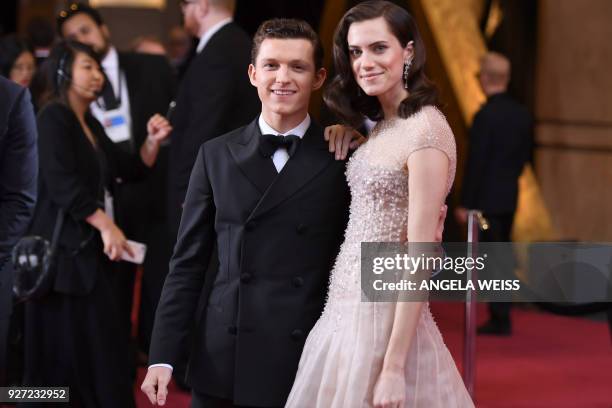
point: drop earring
(407, 65)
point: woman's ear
(105, 31)
(409, 51)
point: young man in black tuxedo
(137, 86)
(274, 200)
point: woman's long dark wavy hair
(344, 97)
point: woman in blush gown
(383, 354)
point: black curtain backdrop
(250, 14)
(8, 16)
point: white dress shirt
(281, 156)
(110, 64)
(209, 33)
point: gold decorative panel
(454, 25)
(460, 44)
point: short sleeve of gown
(433, 131)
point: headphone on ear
(61, 74)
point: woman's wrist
(393, 369)
(100, 221)
(393, 364)
(149, 150)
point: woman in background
(71, 333)
(16, 60)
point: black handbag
(33, 261)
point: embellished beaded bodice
(377, 174)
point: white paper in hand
(139, 249)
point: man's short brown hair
(285, 29)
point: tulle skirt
(344, 353)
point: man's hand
(441, 219)
(155, 384)
(341, 138)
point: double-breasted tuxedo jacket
(277, 236)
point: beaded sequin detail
(378, 179)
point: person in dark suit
(137, 87)
(499, 147)
(71, 333)
(18, 175)
(215, 95)
(275, 202)
(17, 64)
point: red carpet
(550, 361)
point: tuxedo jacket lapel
(311, 157)
(245, 152)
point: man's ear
(320, 76)
(202, 8)
(105, 31)
(252, 73)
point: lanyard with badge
(115, 121)
(116, 128)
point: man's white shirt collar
(111, 59)
(299, 130)
(110, 64)
(212, 31)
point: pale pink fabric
(344, 351)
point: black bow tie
(268, 144)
